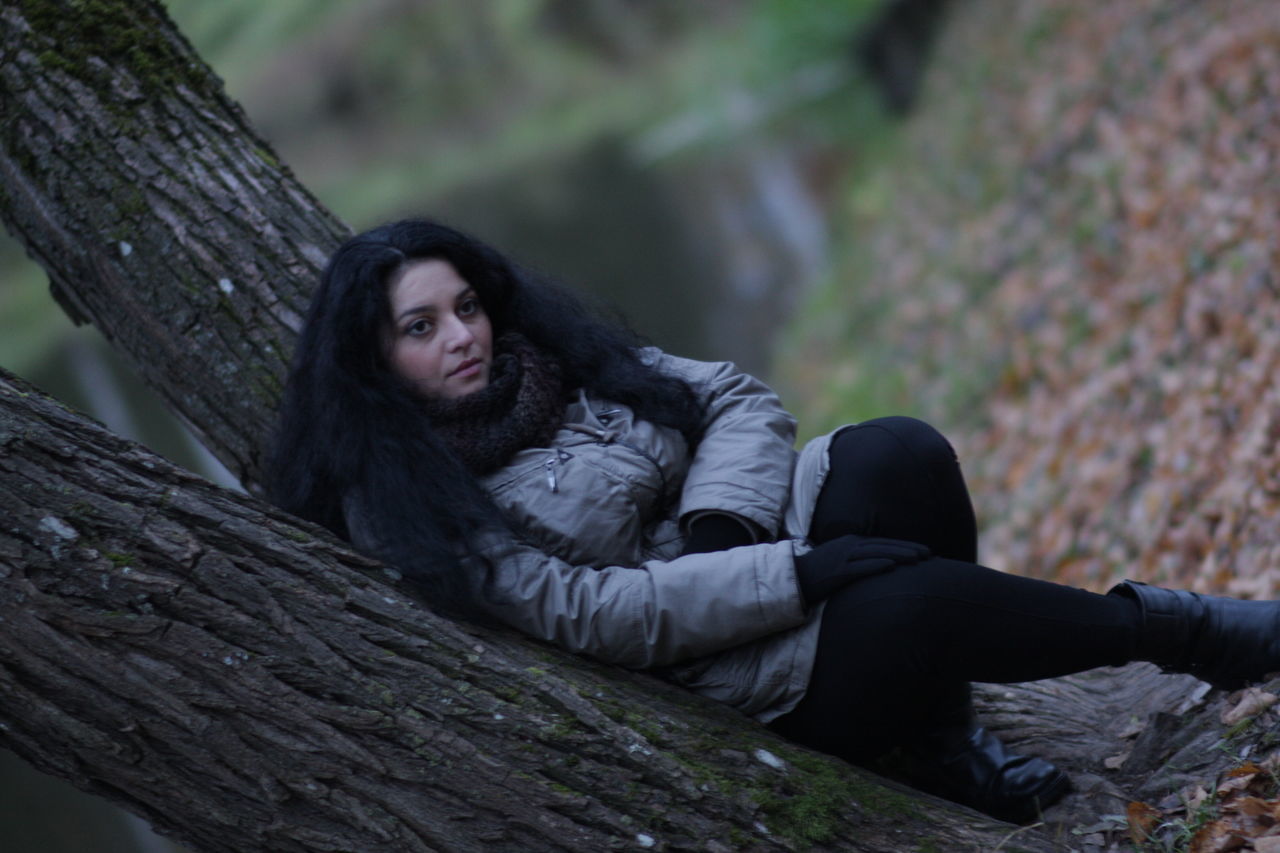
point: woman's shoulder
(691, 370)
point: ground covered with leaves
(1071, 264)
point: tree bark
(244, 681)
(158, 214)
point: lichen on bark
(117, 34)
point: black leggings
(895, 647)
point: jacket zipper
(557, 456)
(550, 465)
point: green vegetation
(120, 560)
(437, 97)
(34, 326)
(381, 109)
(82, 31)
(808, 815)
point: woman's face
(441, 340)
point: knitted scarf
(522, 406)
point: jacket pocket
(729, 676)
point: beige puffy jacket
(597, 569)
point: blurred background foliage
(678, 160)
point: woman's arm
(656, 614)
(742, 466)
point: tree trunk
(158, 214)
(244, 681)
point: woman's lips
(467, 368)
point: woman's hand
(846, 559)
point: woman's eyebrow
(417, 309)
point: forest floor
(1071, 265)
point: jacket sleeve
(658, 613)
(744, 461)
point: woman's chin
(466, 387)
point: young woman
(520, 460)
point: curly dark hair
(352, 432)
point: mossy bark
(158, 214)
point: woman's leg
(896, 651)
(896, 477)
(896, 647)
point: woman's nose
(460, 334)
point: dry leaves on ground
(1081, 257)
(1243, 814)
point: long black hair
(353, 440)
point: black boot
(1224, 641)
(960, 761)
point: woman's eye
(469, 307)
(419, 327)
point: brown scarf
(522, 406)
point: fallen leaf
(1253, 701)
(1250, 816)
(1251, 807)
(1216, 837)
(1246, 769)
(1242, 778)
(1142, 820)
(1115, 762)
(1234, 785)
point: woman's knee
(898, 477)
(892, 452)
(897, 440)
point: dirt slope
(1072, 265)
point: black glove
(715, 531)
(849, 558)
